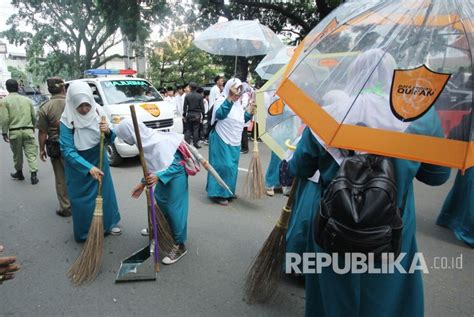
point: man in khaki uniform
(48, 135)
(18, 122)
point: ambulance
(115, 91)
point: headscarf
(365, 99)
(86, 127)
(230, 128)
(159, 147)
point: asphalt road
(206, 282)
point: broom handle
(285, 214)
(255, 144)
(101, 154)
(150, 201)
(291, 197)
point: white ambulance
(115, 93)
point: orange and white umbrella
(403, 89)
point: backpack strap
(404, 202)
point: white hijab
(365, 105)
(230, 129)
(159, 147)
(86, 127)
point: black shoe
(175, 254)
(63, 213)
(244, 151)
(34, 179)
(197, 146)
(18, 175)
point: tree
(176, 61)
(17, 74)
(72, 34)
(291, 19)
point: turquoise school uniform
(395, 294)
(307, 197)
(223, 157)
(272, 176)
(82, 189)
(458, 208)
(172, 196)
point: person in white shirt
(169, 95)
(216, 90)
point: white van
(116, 93)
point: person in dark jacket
(193, 114)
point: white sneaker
(115, 231)
(144, 232)
(286, 190)
(270, 192)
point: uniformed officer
(18, 122)
(48, 137)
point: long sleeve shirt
(16, 112)
(193, 102)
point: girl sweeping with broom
(228, 120)
(80, 131)
(169, 163)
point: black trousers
(192, 130)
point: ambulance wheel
(114, 158)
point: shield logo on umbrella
(276, 108)
(414, 91)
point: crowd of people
(70, 125)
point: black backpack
(359, 212)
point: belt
(22, 128)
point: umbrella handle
(289, 145)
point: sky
(6, 10)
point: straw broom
(264, 273)
(86, 267)
(254, 187)
(156, 218)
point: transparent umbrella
(274, 61)
(238, 38)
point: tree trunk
(242, 68)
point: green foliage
(135, 17)
(17, 74)
(177, 61)
(69, 36)
(293, 20)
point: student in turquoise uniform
(168, 162)
(307, 197)
(80, 130)
(229, 117)
(272, 176)
(363, 294)
(458, 208)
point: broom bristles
(87, 265)
(254, 187)
(165, 237)
(263, 276)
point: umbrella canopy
(238, 38)
(277, 123)
(403, 90)
(274, 61)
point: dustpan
(140, 266)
